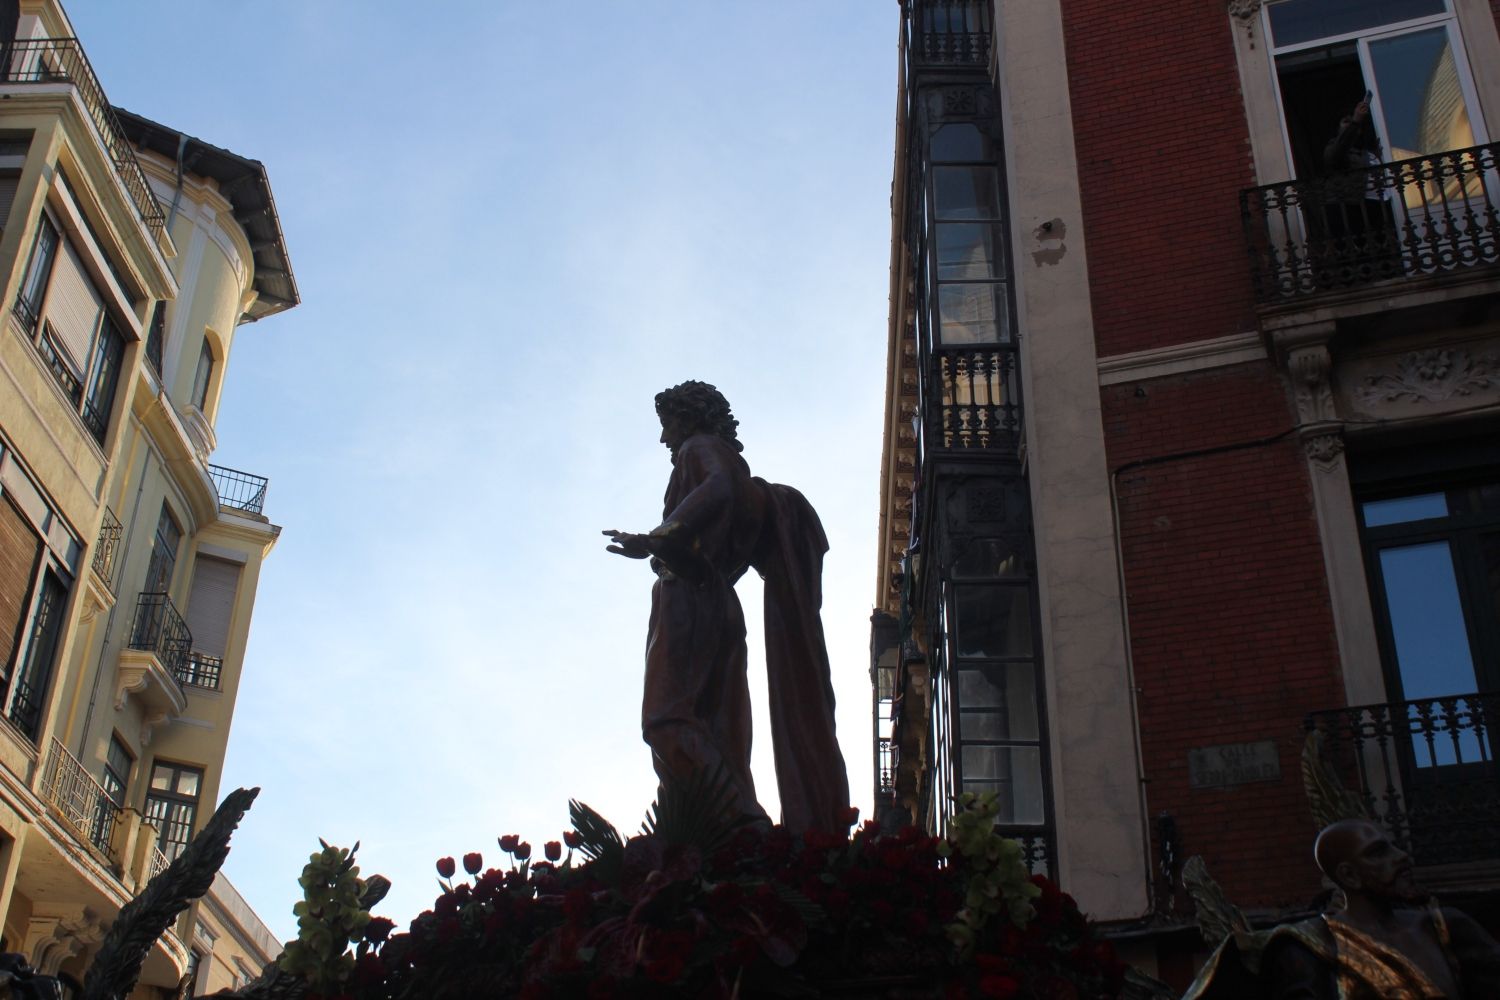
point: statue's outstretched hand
(627, 544)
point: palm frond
(117, 966)
(700, 812)
(600, 842)
(1327, 797)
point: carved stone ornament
(1247, 12)
(1323, 449)
(1432, 376)
(1309, 367)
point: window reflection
(1427, 621)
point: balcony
(160, 629)
(239, 490)
(82, 801)
(972, 399)
(950, 32)
(1426, 770)
(62, 60)
(106, 547)
(1426, 216)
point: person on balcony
(1362, 244)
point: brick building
(1190, 439)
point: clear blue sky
(512, 224)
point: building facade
(1190, 441)
(130, 255)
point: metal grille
(62, 60)
(81, 800)
(108, 543)
(1425, 769)
(239, 490)
(202, 671)
(887, 776)
(160, 629)
(1424, 215)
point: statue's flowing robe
(719, 521)
(1324, 959)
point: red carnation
(446, 867)
(473, 862)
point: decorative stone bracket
(158, 693)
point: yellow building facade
(130, 255)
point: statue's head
(1359, 856)
(695, 408)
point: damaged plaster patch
(1049, 236)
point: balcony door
(1406, 54)
(1433, 558)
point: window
(63, 310)
(172, 805)
(1433, 557)
(1406, 54)
(37, 562)
(202, 376)
(210, 610)
(156, 336)
(163, 564)
(115, 780)
(968, 237)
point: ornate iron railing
(105, 547)
(1424, 215)
(160, 629)
(1425, 769)
(1036, 848)
(886, 762)
(159, 863)
(973, 391)
(202, 671)
(239, 490)
(82, 800)
(950, 32)
(62, 60)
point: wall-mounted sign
(1233, 764)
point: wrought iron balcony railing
(239, 490)
(950, 32)
(108, 543)
(81, 799)
(1426, 770)
(972, 398)
(886, 762)
(202, 671)
(1425, 215)
(62, 60)
(160, 629)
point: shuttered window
(19, 549)
(73, 308)
(212, 603)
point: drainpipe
(182, 142)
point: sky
(512, 224)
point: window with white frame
(1405, 57)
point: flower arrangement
(694, 906)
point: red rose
(508, 843)
(573, 839)
(473, 862)
(378, 929)
(446, 867)
(553, 849)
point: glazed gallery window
(61, 308)
(172, 804)
(967, 229)
(1406, 54)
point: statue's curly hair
(702, 407)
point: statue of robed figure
(719, 521)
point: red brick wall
(1163, 151)
(1230, 624)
